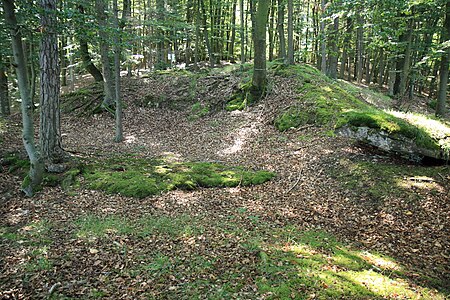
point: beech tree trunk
(444, 67)
(280, 27)
(241, 8)
(259, 80)
(233, 33)
(86, 57)
(4, 94)
(290, 55)
(35, 175)
(359, 48)
(205, 33)
(101, 7)
(49, 126)
(333, 56)
(323, 47)
(117, 49)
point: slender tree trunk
(359, 48)
(101, 7)
(280, 27)
(63, 60)
(382, 66)
(241, 8)
(259, 71)
(35, 175)
(205, 34)
(444, 67)
(404, 76)
(290, 56)
(348, 32)
(333, 56)
(117, 50)
(271, 30)
(323, 47)
(161, 63)
(86, 57)
(5, 105)
(233, 33)
(50, 125)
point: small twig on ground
(52, 290)
(443, 178)
(295, 184)
(305, 127)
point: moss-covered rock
(136, 177)
(341, 106)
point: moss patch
(380, 181)
(17, 164)
(136, 177)
(242, 97)
(314, 262)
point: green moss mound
(19, 165)
(136, 177)
(334, 104)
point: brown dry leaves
(303, 194)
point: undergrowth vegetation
(380, 181)
(138, 177)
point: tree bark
(259, 80)
(35, 175)
(271, 30)
(5, 105)
(86, 57)
(359, 48)
(233, 33)
(323, 47)
(49, 125)
(241, 8)
(117, 49)
(333, 56)
(444, 67)
(290, 55)
(348, 33)
(101, 7)
(280, 27)
(205, 33)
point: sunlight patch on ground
(241, 137)
(420, 182)
(379, 261)
(436, 128)
(381, 284)
(130, 139)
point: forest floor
(339, 221)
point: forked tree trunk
(34, 178)
(86, 57)
(49, 126)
